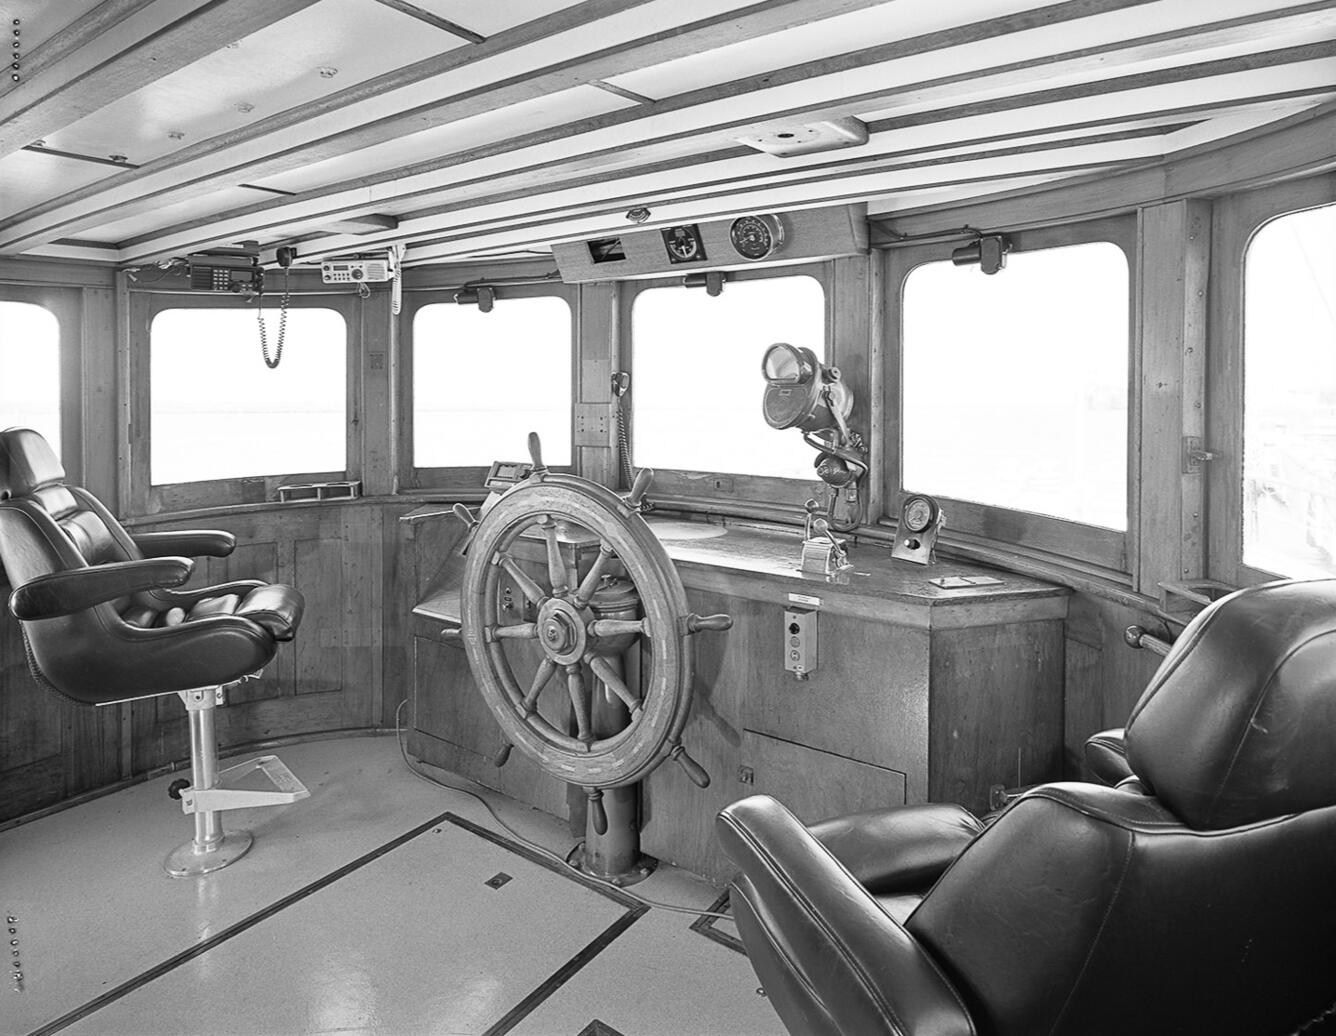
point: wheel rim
(574, 646)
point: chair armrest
(1106, 755)
(830, 958)
(899, 849)
(189, 543)
(63, 593)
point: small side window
(1289, 398)
(30, 370)
(218, 412)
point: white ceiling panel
(270, 71)
(135, 226)
(817, 39)
(29, 178)
(476, 132)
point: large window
(483, 381)
(697, 374)
(217, 411)
(30, 370)
(1014, 385)
(1289, 408)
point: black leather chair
(102, 623)
(1198, 896)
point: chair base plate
(187, 861)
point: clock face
(755, 237)
(917, 514)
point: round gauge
(918, 513)
(756, 237)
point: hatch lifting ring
(580, 627)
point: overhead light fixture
(990, 252)
(638, 214)
(784, 140)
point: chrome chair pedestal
(209, 795)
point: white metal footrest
(287, 788)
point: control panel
(800, 642)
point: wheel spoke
(613, 680)
(546, 669)
(521, 631)
(615, 627)
(556, 568)
(535, 593)
(579, 700)
(590, 584)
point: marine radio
(356, 271)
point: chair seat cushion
(274, 607)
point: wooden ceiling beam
(352, 193)
(203, 167)
(124, 57)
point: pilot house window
(482, 381)
(1015, 383)
(30, 370)
(697, 370)
(217, 411)
(1289, 405)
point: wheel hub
(561, 631)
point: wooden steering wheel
(567, 625)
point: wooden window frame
(1237, 219)
(148, 499)
(467, 480)
(974, 527)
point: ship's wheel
(579, 629)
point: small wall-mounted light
(990, 252)
(711, 280)
(638, 214)
(480, 296)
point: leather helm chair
(103, 622)
(1195, 897)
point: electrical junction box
(800, 642)
(355, 271)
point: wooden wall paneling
(867, 699)
(1104, 676)
(995, 710)
(97, 392)
(786, 771)
(678, 817)
(452, 728)
(1173, 261)
(599, 340)
(399, 594)
(372, 363)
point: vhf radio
(228, 269)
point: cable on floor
(563, 863)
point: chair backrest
(36, 505)
(1204, 905)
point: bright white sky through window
(698, 382)
(483, 381)
(1015, 383)
(216, 410)
(30, 370)
(1289, 406)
